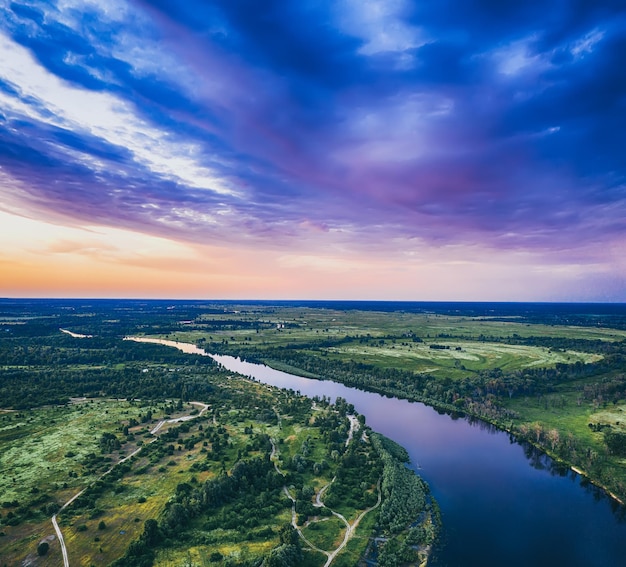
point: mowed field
(458, 357)
(398, 340)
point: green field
(38, 448)
(556, 379)
(460, 357)
(130, 476)
(559, 386)
(390, 339)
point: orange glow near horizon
(40, 259)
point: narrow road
(354, 427)
(155, 430)
(66, 561)
(350, 528)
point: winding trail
(154, 431)
(295, 524)
(350, 528)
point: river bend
(503, 503)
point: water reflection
(497, 510)
(482, 425)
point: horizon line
(310, 300)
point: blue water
(503, 503)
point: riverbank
(436, 436)
(505, 424)
(407, 507)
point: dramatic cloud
(324, 128)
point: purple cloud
(473, 122)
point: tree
(537, 430)
(554, 438)
(616, 442)
(288, 553)
(283, 556)
(151, 533)
(288, 535)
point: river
(503, 503)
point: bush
(616, 442)
(42, 548)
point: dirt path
(76, 335)
(318, 497)
(57, 529)
(155, 430)
(161, 423)
(273, 458)
(350, 528)
(354, 427)
(295, 524)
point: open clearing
(43, 456)
(399, 340)
(38, 448)
(466, 355)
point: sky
(353, 149)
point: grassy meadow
(77, 409)
(466, 362)
(391, 339)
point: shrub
(616, 442)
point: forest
(148, 456)
(77, 400)
(553, 376)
